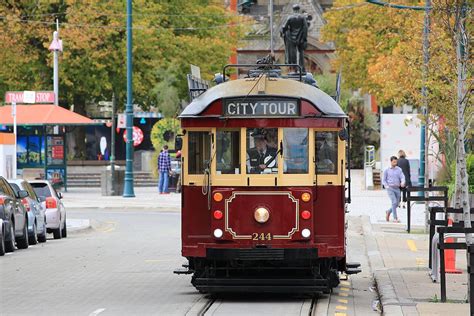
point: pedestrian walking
(393, 179)
(164, 168)
(404, 164)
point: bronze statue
(295, 36)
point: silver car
(35, 210)
(55, 211)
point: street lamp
(56, 47)
(128, 185)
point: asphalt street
(123, 266)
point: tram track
(297, 306)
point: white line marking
(97, 312)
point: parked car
(13, 214)
(55, 211)
(35, 210)
(2, 238)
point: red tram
(264, 186)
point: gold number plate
(261, 236)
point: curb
(388, 297)
(124, 208)
(86, 225)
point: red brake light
(306, 214)
(218, 214)
(26, 204)
(51, 202)
(2, 200)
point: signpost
(14, 132)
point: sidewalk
(399, 261)
(146, 198)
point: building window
(228, 152)
(295, 150)
(199, 148)
(326, 152)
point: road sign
(21, 97)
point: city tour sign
(29, 97)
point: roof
(275, 87)
(42, 114)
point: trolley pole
(128, 185)
(270, 7)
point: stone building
(257, 42)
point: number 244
(261, 236)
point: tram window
(199, 148)
(295, 150)
(326, 152)
(228, 152)
(262, 144)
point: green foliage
(327, 83)
(364, 130)
(167, 37)
(167, 126)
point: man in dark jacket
(404, 164)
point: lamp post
(128, 185)
(56, 47)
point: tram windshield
(326, 152)
(228, 152)
(295, 149)
(262, 150)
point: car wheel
(64, 230)
(2, 243)
(57, 231)
(22, 242)
(10, 244)
(33, 238)
(42, 237)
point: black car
(14, 216)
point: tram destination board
(268, 107)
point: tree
(167, 35)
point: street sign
(121, 121)
(21, 97)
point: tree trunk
(79, 133)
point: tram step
(353, 270)
(352, 265)
(183, 271)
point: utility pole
(424, 137)
(128, 185)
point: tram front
(263, 187)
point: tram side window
(262, 144)
(228, 152)
(326, 152)
(199, 148)
(295, 150)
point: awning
(42, 114)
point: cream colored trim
(290, 196)
(191, 179)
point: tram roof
(274, 87)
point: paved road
(123, 266)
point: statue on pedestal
(295, 36)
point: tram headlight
(306, 197)
(306, 233)
(218, 233)
(261, 215)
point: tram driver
(261, 156)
